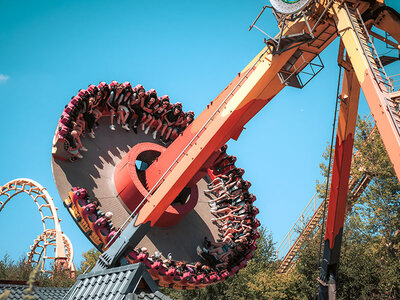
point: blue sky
(189, 50)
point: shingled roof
(120, 283)
(41, 293)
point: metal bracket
(282, 43)
(293, 73)
(128, 239)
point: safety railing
(395, 79)
(298, 227)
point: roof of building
(130, 282)
(126, 282)
(40, 292)
(146, 296)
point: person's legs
(112, 113)
(224, 196)
(168, 133)
(149, 125)
(217, 180)
(129, 117)
(77, 140)
(97, 114)
(90, 120)
(146, 122)
(215, 188)
(174, 134)
(138, 120)
(123, 115)
(165, 126)
(120, 116)
(227, 239)
(75, 153)
(157, 129)
(223, 211)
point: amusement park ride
(52, 240)
(153, 190)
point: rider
(158, 112)
(136, 99)
(112, 101)
(179, 128)
(171, 117)
(148, 106)
(123, 111)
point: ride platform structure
(154, 190)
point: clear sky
(189, 50)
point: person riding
(104, 93)
(148, 106)
(123, 110)
(170, 118)
(158, 112)
(179, 128)
(112, 101)
(137, 97)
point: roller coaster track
(52, 235)
(41, 250)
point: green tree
(89, 261)
(16, 270)
(258, 280)
(369, 266)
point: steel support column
(340, 181)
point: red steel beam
(340, 177)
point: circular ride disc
(95, 173)
(289, 6)
(93, 185)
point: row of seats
(131, 107)
(96, 221)
(168, 272)
(235, 215)
(231, 204)
(216, 264)
(219, 259)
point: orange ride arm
(375, 93)
(222, 120)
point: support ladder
(375, 64)
(369, 50)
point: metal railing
(368, 47)
(395, 79)
(298, 227)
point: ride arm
(223, 119)
(128, 239)
(375, 92)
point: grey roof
(40, 293)
(117, 283)
(156, 296)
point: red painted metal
(129, 187)
(339, 188)
(131, 190)
(343, 155)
